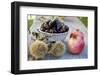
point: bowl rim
(52, 33)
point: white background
(5, 39)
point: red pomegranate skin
(76, 42)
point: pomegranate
(76, 42)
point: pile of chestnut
(54, 26)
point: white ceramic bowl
(54, 36)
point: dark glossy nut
(66, 28)
(55, 26)
(48, 22)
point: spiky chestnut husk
(38, 49)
